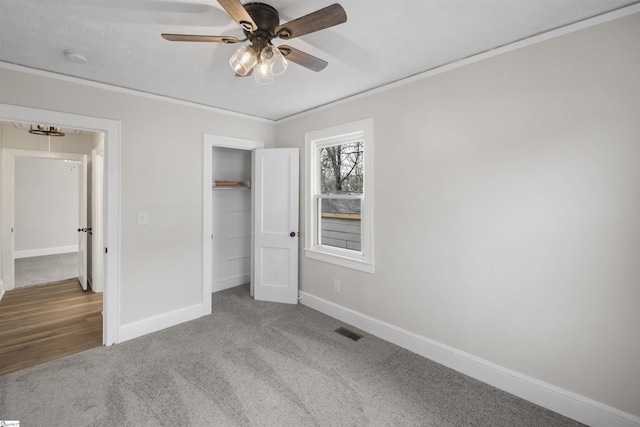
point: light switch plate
(143, 218)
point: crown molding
(519, 44)
(104, 86)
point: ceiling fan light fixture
(45, 130)
(243, 60)
(261, 23)
(274, 58)
(262, 73)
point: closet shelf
(231, 184)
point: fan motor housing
(266, 17)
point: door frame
(210, 141)
(97, 216)
(111, 130)
(83, 222)
(9, 156)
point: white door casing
(97, 219)
(211, 141)
(278, 286)
(8, 187)
(275, 225)
(82, 223)
(111, 130)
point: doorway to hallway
(110, 249)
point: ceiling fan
(261, 24)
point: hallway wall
(46, 206)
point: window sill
(342, 261)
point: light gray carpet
(257, 364)
(45, 269)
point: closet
(231, 208)
(250, 215)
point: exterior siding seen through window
(339, 181)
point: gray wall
(518, 240)
(46, 204)
(161, 174)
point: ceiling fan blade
(315, 21)
(239, 14)
(195, 38)
(302, 58)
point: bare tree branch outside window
(341, 168)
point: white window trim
(363, 260)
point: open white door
(275, 225)
(82, 223)
(97, 220)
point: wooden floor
(42, 323)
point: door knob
(292, 234)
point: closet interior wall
(231, 217)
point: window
(339, 198)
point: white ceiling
(382, 41)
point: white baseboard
(146, 326)
(554, 398)
(231, 282)
(45, 251)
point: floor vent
(348, 333)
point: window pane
(340, 223)
(341, 168)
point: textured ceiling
(382, 42)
